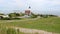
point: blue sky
(37, 6)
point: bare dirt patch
(31, 31)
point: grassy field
(51, 24)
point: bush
(45, 16)
(5, 19)
(33, 16)
(11, 31)
(10, 18)
(16, 18)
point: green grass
(9, 31)
(51, 24)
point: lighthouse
(28, 11)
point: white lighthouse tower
(28, 12)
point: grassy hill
(51, 24)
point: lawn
(51, 24)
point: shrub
(5, 19)
(33, 15)
(11, 31)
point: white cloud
(1, 1)
(19, 3)
(56, 2)
(33, 3)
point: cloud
(1, 1)
(19, 3)
(35, 4)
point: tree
(33, 15)
(11, 15)
(14, 15)
(1, 14)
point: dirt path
(32, 31)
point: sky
(37, 6)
